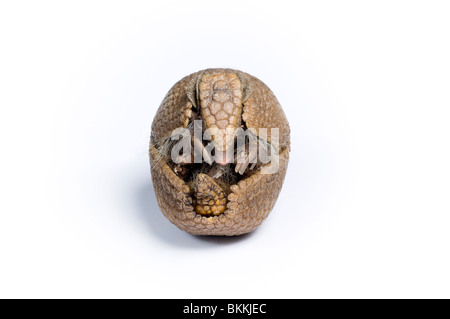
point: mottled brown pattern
(209, 196)
(251, 199)
(220, 97)
(262, 109)
(172, 111)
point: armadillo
(229, 191)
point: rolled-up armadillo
(231, 189)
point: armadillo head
(220, 96)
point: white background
(364, 211)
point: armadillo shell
(251, 199)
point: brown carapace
(228, 192)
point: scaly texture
(220, 97)
(250, 200)
(262, 110)
(209, 197)
(174, 109)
